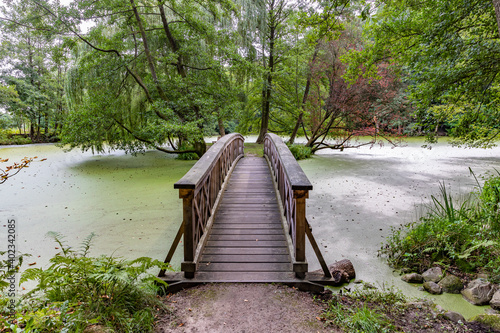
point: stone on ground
(479, 292)
(433, 274)
(433, 288)
(451, 284)
(412, 278)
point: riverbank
(277, 308)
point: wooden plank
(245, 267)
(245, 276)
(246, 250)
(247, 226)
(254, 232)
(263, 237)
(213, 258)
(253, 243)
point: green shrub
(77, 291)
(300, 152)
(8, 139)
(456, 235)
(186, 156)
(490, 199)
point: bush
(186, 156)
(300, 152)
(78, 291)
(9, 139)
(464, 236)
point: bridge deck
(247, 234)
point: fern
(111, 291)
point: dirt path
(243, 308)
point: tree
(148, 73)
(451, 52)
(340, 110)
(31, 61)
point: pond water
(131, 205)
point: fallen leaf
(33, 263)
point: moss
(490, 320)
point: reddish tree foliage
(339, 111)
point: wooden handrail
(293, 186)
(200, 189)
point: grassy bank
(462, 235)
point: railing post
(188, 266)
(300, 265)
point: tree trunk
(149, 57)
(296, 128)
(222, 130)
(266, 94)
(266, 105)
(304, 98)
(496, 5)
(200, 147)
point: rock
(495, 300)
(432, 287)
(490, 320)
(342, 271)
(451, 284)
(368, 285)
(479, 292)
(454, 317)
(482, 276)
(433, 274)
(492, 311)
(413, 278)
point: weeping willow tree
(148, 74)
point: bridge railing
(293, 186)
(199, 190)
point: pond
(130, 203)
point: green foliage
(300, 152)
(186, 156)
(78, 290)
(465, 236)
(365, 310)
(490, 199)
(448, 50)
(359, 320)
(6, 138)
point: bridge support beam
(300, 265)
(188, 266)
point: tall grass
(462, 233)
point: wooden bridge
(244, 219)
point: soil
(243, 308)
(277, 308)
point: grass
(364, 310)
(254, 149)
(78, 291)
(462, 234)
